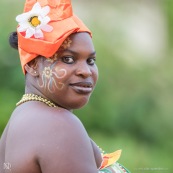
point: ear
(31, 67)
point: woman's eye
(91, 61)
(68, 60)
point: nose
(83, 70)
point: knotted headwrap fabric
(63, 22)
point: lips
(82, 87)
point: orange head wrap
(43, 27)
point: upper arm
(65, 147)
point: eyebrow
(76, 53)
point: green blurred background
(131, 107)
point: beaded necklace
(34, 97)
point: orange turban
(43, 27)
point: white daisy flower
(34, 21)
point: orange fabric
(64, 23)
(109, 159)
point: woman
(58, 59)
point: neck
(31, 88)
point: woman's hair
(13, 40)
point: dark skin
(42, 139)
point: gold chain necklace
(34, 97)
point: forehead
(80, 36)
(81, 41)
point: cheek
(60, 72)
(62, 75)
(95, 74)
(52, 79)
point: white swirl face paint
(50, 78)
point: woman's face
(69, 77)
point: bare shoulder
(66, 146)
(57, 139)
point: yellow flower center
(34, 21)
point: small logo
(7, 166)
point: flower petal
(23, 27)
(45, 11)
(47, 28)
(36, 7)
(44, 20)
(22, 17)
(38, 34)
(29, 32)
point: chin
(77, 104)
(80, 106)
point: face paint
(53, 58)
(66, 44)
(60, 85)
(47, 72)
(60, 73)
(49, 78)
